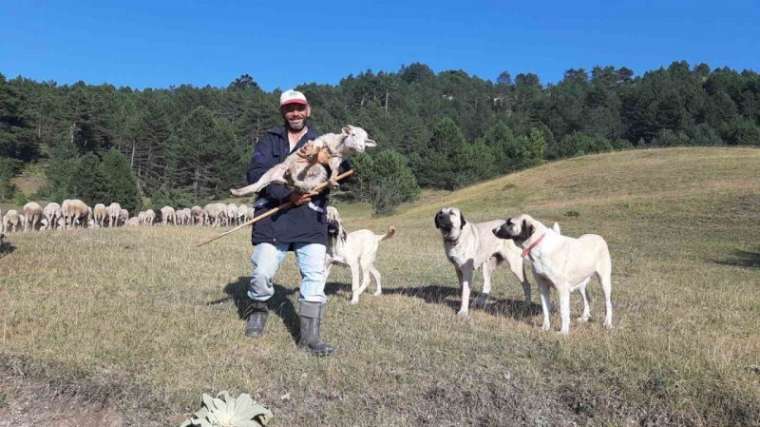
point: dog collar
(527, 250)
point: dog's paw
(354, 301)
(546, 327)
(378, 292)
(333, 183)
(463, 315)
(236, 192)
(608, 325)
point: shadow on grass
(451, 297)
(742, 258)
(280, 304)
(6, 248)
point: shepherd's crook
(274, 210)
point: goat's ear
(346, 130)
(370, 143)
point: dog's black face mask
(503, 231)
(332, 228)
(525, 232)
(443, 222)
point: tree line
(186, 145)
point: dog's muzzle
(443, 222)
(332, 229)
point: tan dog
(469, 246)
(357, 250)
(303, 169)
(561, 262)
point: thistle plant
(224, 411)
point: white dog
(562, 262)
(356, 250)
(468, 246)
(302, 169)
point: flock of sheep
(73, 213)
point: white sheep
(232, 214)
(75, 212)
(32, 215)
(215, 212)
(12, 221)
(168, 214)
(242, 211)
(149, 217)
(52, 213)
(114, 209)
(100, 213)
(198, 216)
(123, 216)
(182, 216)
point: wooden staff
(274, 210)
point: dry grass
(144, 320)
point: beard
(295, 125)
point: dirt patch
(25, 402)
(34, 393)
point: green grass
(146, 319)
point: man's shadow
(280, 304)
(451, 297)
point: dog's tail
(389, 234)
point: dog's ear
(437, 220)
(527, 229)
(370, 143)
(346, 130)
(464, 221)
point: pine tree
(119, 183)
(88, 181)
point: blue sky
(283, 43)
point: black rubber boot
(257, 313)
(311, 314)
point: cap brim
(294, 101)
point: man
(302, 229)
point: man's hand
(299, 199)
(314, 155)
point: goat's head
(356, 140)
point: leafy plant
(224, 411)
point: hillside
(141, 322)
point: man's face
(295, 116)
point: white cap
(293, 97)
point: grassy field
(139, 322)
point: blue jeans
(266, 259)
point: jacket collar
(282, 133)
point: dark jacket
(300, 224)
